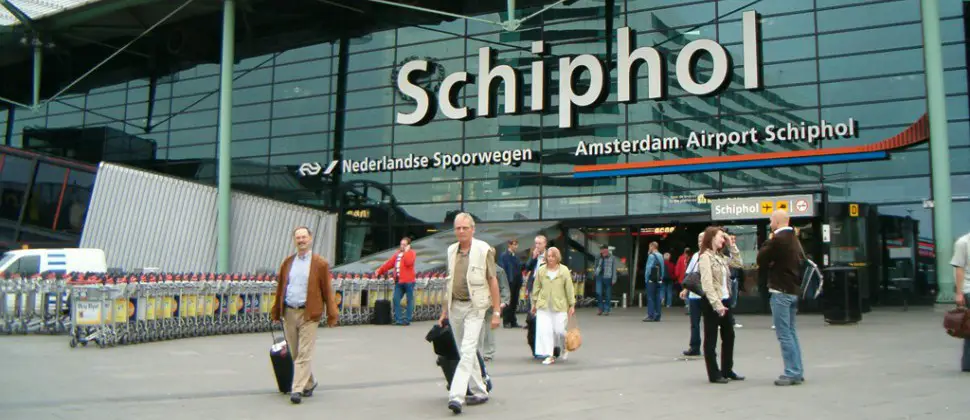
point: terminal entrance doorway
(630, 244)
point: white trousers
(550, 330)
(466, 323)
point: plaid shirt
(605, 268)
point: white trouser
(466, 323)
(550, 329)
(486, 340)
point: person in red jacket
(681, 267)
(402, 264)
(680, 270)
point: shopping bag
(573, 337)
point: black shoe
(454, 406)
(296, 398)
(734, 376)
(692, 352)
(309, 391)
(720, 381)
(475, 400)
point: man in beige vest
(472, 289)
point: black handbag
(692, 282)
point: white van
(67, 260)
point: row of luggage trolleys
(357, 298)
(129, 310)
(34, 305)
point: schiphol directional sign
(799, 205)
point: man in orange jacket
(302, 293)
(402, 262)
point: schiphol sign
(628, 60)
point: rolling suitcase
(282, 360)
(530, 336)
(382, 308)
(445, 347)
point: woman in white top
(553, 302)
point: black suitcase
(282, 360)
(382, 312)
(445, 347)
(530, 336)
(382, 308)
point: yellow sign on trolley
(854, 210)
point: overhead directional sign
(799, 205)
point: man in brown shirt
(302, 293)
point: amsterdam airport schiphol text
(720, 140)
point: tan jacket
(557, 294)
(714, 269)
(319, 291)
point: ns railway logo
(314, 168)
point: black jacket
(782, 257)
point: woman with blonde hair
(553, 302)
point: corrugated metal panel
(143, 219)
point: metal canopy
(35, 9)
(104, 42)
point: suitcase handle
(273, 332)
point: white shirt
(961, 258)
(296, 287)
(692, 267)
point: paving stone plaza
(893, 365)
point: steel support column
(223, 244)
(38, 63)
(939, 149)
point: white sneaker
(564, 355)
(738, 326)
(549, 360)
(772, 327)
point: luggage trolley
(94, 313)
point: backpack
(812, 279)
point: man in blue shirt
(513, 270)
(653, 277)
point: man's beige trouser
(301, 339)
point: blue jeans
(400, 289)
(653, 300)
(694, 306)
(783, 310)
(667, 293)
(965, 363)
(604, 290)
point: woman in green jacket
(553, 302)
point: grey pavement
(893, 365)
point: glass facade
(820, 59)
